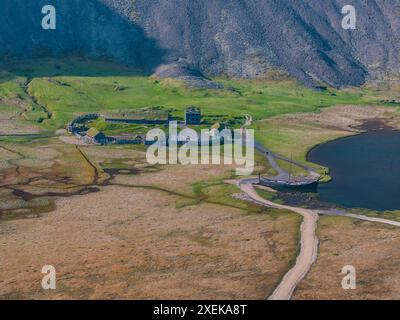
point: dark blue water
(365, 171)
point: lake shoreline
(358, 162)
(369, 125)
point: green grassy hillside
(71, 87)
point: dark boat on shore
(302, 184)
(294, 183)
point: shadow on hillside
(91, 39)
(75, 66)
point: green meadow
(72, 87)
(69, 96)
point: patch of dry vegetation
(179, 237)
(371, 248)
(135, 243)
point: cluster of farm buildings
(93, 135)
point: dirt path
(309, 241)
(359, 217)
(282, 174)
(271, 157)
(308, 247)
(72, 140)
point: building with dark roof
(95, 136)
(192, 116)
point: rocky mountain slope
(245, 38)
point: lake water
(365, 170)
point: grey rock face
(84, 27)
(237, 38)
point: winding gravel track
(309, 242)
